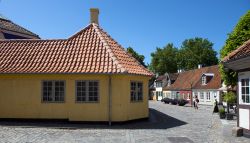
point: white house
(239, 61)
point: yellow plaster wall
(20, 97)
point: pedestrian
(196, 102)
(216, 109)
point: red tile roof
(89, 51)
(6, 24)
(186, 78)
(214, 83)
(242, 51)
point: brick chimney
(94, 12)
(199, 66)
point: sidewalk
(226, 126)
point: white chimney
(94, 13)
(199, 66)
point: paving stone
(168, 124)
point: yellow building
(87, 77)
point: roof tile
(89, 51)
(242, 51)
(192, 79)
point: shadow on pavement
(157, 120)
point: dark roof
(8, 25)
(241, 52)
(160, 78)
(89, 51)
(186, 78)
(173, 76)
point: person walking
(196, 102)
(216, 109)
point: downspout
(110, 101)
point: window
(87, 91)
(136, 91)
(208, 95)
(188, 97)
(245, 90)
(183, 96)
(195, 94)
(201, 95)
(53, 91)
(158, 84)
(203, 80)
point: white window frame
(202, 93)
(87, 91)
(137, 91)
(188, 95)
(208, 94)
(243, 75)
(204, 80)
(53, 91)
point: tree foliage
(237, 37)
(230, 97)
(137, 56)
(196, 51)
(164, 59)
(192, 52)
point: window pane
(59, 91)
(243, 98)
(242, 82)
(247, 82)
(247, 99)
(243, 90)
(47, 91)
(80, 91)
(49, 83)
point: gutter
(110, 101)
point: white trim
(242, 75)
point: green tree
(237, 37)
(137, 56)
(164, 59)
(196, 51)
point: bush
(230, 97)
(222, 113)
(167, 100)
(182, 102)
(174, 102)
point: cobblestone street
(167, 123)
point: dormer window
(206, 77)
(203, 80)
(158, 84)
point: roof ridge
(79, 32)
(29, 32)
(109, 50)
(130, 55)
(30, 40)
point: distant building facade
(156, 91)
(202, 82)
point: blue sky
(141, 24)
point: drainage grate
(180, 140)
